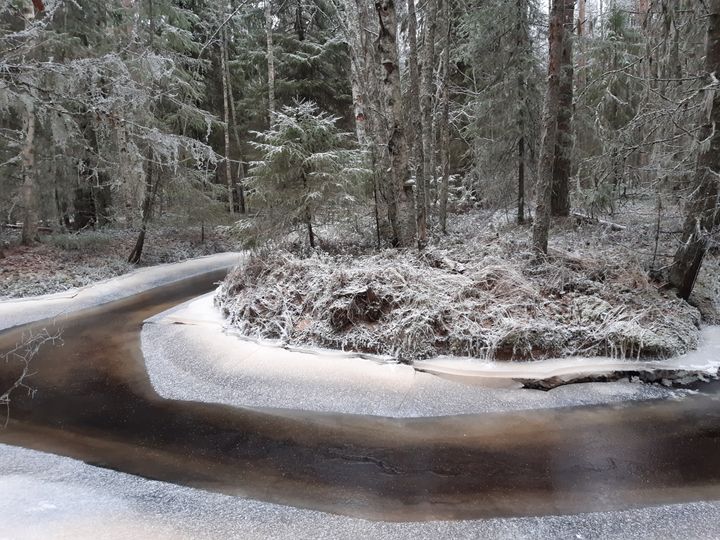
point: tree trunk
(703, 215)
(270, 61)
(445, 123)
(308, 213)
(643, 8)
(152, 181)
(126, 178)
(226, 127)
(560, 201)
(358, 105)
(29, 181)
(311, 234)
(240, 177)
(521, 178)
(97, 183)
(28, 189)
(550, 120)
(416, 126)
(401, 208)
(102, 199)
(426, 100)
(360, 25)
(522, 39)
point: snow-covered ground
(43, 496)
(21, 311)
(705, 360)
(189, 356)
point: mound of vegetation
(486, 296)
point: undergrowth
(480, 294)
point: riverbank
(66, 261)
(190, 355)
(480, 292)
(14, 312)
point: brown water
(94, 402)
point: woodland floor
(481, 292)
(64, 261)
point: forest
(375, 269)
(473, 177)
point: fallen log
(41, 228)
(609, 224)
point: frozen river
(188, 468)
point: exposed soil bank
(94, 401)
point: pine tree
(307, 167)
(703, 213)
(544, 182)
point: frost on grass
(69, 260)
(484, 296)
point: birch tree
(427, 106)
(445, 121)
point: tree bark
(357, 23)
(426, 101)
(152, 182)
(127, 180)
(522, 45)
(240, 177)
(97, 184)
(445, 123)
(544, 182)
(29, 181)
(562, 169)
(226, 127)
(703, 216)
(401, 208)
(29, 189)
(417, 127)
(308, 215)
(643, 8)
(521, 176)
(270, 61)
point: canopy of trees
(392, 112)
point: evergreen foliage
(307, 166)
(113, 114)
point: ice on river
(20, 311)
(44, 496)
(189, 356)
(705, 359)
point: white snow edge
(704, 360)
(24, 310)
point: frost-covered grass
(478, 292)
(69, 260)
